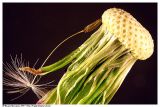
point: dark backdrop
(35, 29)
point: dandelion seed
(17, 80)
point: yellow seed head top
(129, 32)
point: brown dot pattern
(129, 32)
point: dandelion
(99, 66)
(19, 81)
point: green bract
(99, 66)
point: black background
(35, 29)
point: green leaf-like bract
(96, 71)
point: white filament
(20, 81)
